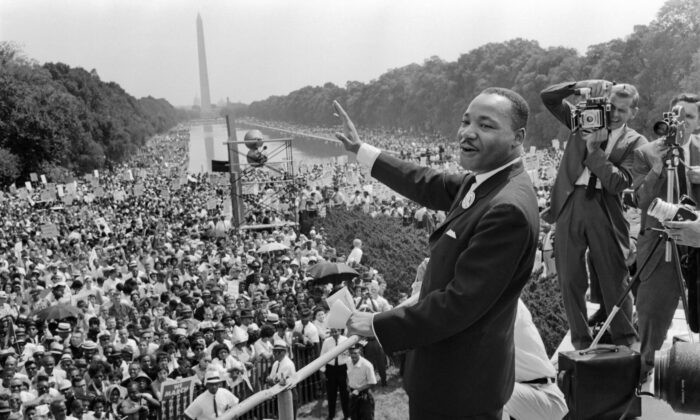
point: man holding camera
(657, 297)
(586, 203)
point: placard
(34, 177)
(211, 203)
(176, 396)
(49, 230)
(43, 179)
(138, 190)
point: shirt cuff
(374, 332)
(367, 155)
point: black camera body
(591, 114)
(670, 123)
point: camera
(663, 211)
(677, 377)
(670, 121)
(591, 114)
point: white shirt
(282, 369)
(328, 345)
(360, 374)
(202, 408)
(531, 361)
(355, 256)
(309, 331)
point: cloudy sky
(258, 48)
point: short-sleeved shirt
(202, 408)
(360, 374)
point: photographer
(657, 297)
(587, 207)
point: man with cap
(336, 374)
(214, 402)
(206, 299)
(307, 329)
(282, 369)
(361, 379)
(219, 338)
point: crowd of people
(120, 281)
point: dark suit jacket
(461, 330)
(614, 171)
(648, 185)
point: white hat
(212, 377)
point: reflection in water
(208, 146)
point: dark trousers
(584, 224)
(362, 406)
(336, 382)
(376, 356)
(417, 413)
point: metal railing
(283, 392)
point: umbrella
(272, 247)
(60, 311)
(329, 272)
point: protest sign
(59, 189)
(28, 186)
(49, 230)
(43, 179)
(34, 177)
(176, 396)
(211, 203)
(47, 196)
(68, 199)
(138, 190)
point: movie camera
(591, 114)
(670, 123)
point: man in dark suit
(460, 332)
(657, 297)
(586, 205)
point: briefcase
(600, 383)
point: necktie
(682, 181)
(592, 179)
(216, 411)
(336, 357)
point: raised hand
(349, 137)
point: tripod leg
(681, 286)
(622, 298)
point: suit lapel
(620, 146)
(480, 192)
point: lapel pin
(468, 200)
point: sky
(259, 48)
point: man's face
(213, 387)
(691, 118)
(622, 111)
(355, 355)
(486, 136)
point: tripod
(671, 163)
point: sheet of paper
(338, 315)
(344, 296)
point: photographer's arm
(614, 178)
(649, 178)
(554, 96)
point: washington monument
(203, 74)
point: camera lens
(661, 128)
(677, 377)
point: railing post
(285, 405)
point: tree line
(60, 120)
(661, 59)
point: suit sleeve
(496, 251)
(647, 183)
(615, 178)
(553, 99)
(430, 188)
